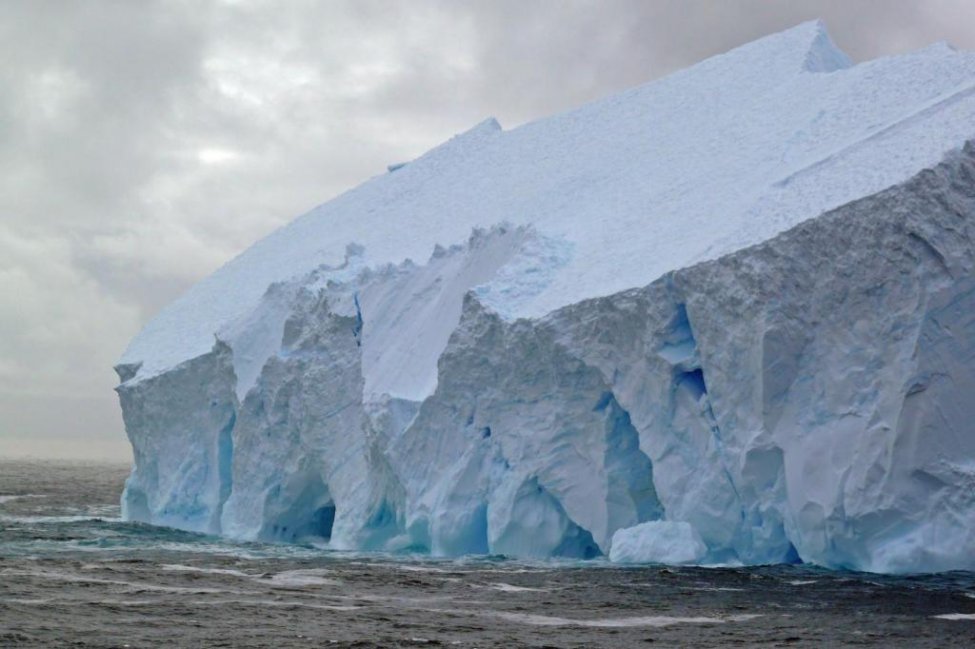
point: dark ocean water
(72, 574)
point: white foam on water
(80, 579)
(268, 603)
(511, 588)
(554, 565)
(408, 568)
(300, 578)
(198, 603)
(955, 616)
(648, 621)
(415, 602)
(166, 589)
(724, 564)
(8, 498)
(105, 511)
(319, 607)
(206, 571)
(233, 551)
(274, 604)
(47, 520)
(802, 582)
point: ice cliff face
(725, 317)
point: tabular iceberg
(732, 309)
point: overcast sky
(143, 144)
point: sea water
(72, 573)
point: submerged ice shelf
(728, 316)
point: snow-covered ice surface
(737, 301)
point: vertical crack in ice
(357, 328)
(631, 492)
(691, 402)
(225, 463)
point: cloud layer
(144, 144)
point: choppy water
(73, 574)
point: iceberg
(725, 317)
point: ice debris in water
(666, 542)
(725, 317)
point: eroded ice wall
(822, 412)
(805, 398)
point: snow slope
(733, 301)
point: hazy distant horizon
(148, 143)
(90, 450)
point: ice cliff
(728, 316)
